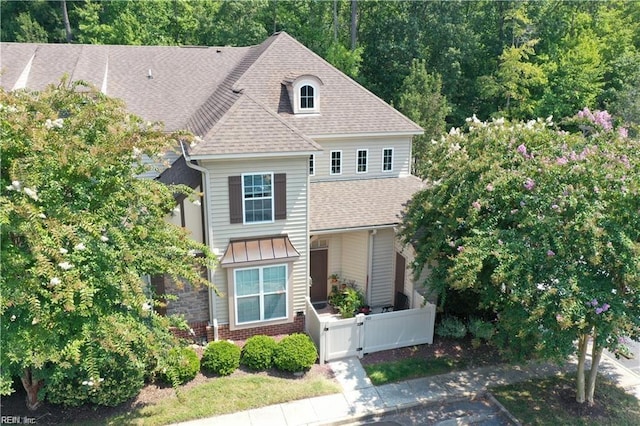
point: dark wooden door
(318, 272)
(401, 265)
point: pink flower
(561, 161)
(605, 307)
(460, 249)
(522, 149)
(623, 132)
(489, 187)
(529, 184)
(476, 205)
(594, 302)
(550, 253)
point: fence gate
(343, 338)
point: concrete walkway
(361, 400)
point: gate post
(360, 324)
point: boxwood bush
(480, 330)
(221, 357)
(451, 327)
(257, 353)
(179, 366)
(295, 353)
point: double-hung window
(260, 293)
(387, 160)
(336, 162)
(361, 161)
(257, 193)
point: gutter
(208, 237)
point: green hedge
(295, 353)
(221, 357)
(257, 353)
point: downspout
(372, 234)
(208, 236)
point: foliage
(346, 299)
(451, 327)
(257, 352)
(79, 230)
(221, 357)
(422, 101)
(179, 365)
(480, 330)
(119, 354)
(543, 225)
(295, 352)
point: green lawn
(550, 401)
(227, 395)
(410, 368)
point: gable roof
(195, 88)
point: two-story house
(303, 172)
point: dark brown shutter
(235, 199)
(157, 282)
(280, 195)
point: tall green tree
(79, 230)
(422, 101)
(542, 226)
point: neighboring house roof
(195, 88)
(365, 203)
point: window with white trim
(361, 160)
(387, 160)
(307, 97)
(260, 293)
(312, 165)
(257, 192)
(336, 162)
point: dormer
(304, 93)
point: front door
(318, 272)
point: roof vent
(149, 74)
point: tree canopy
(518, 59)
(79, 231)
(542, 225)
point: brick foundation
(297, 326)
(199, 329)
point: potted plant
(347, 301)
(334, 278)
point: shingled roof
(195, 88)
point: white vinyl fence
(340, 338)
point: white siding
(193, 218)
(354, 257)
(382, 277)
(401, 157)
(295, 226)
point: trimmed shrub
(481, 329)
(221, 357)
(451, 327)
(257, 353)
(295, 353)
(179, 366)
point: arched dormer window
(304, 93)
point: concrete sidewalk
(361, 400)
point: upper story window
(307, 97)
(258, 197)
(304, 93)
(387, 160)
(312, 165)
(361, 161)
(336, 162)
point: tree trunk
(354, 24)
(596, 354)
(582, 355)
(335, 20)
(32, 387)
(65, 19)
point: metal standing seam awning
(259, 249)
